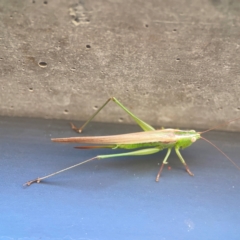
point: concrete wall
(173, 63)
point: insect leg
(134, 153)
(163, 163)
(146, 151)
(79, 130)
(141, 123)
(183, 162)
(39, 179)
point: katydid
(149, 141)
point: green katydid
(149, 141)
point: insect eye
(193, 139)
(192, 131)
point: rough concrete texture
(173, 63)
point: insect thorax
(186, 138)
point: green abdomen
(143, 145)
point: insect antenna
(221, 152)
(220, 125)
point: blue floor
(114, 198)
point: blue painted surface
(114, 198)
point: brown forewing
(164, 136)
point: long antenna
(220, 125)
(222, 153)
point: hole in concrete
(1, 59)
(238, 108)
(66, 111)
(33, 1)
(120, 119)
(178, 59)
(42, 64)
(11, 107)
(30, 89)
(174, 30)
(146, 25)
(88, 46)
(45, 2)
(95, 107)
(76, 19)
